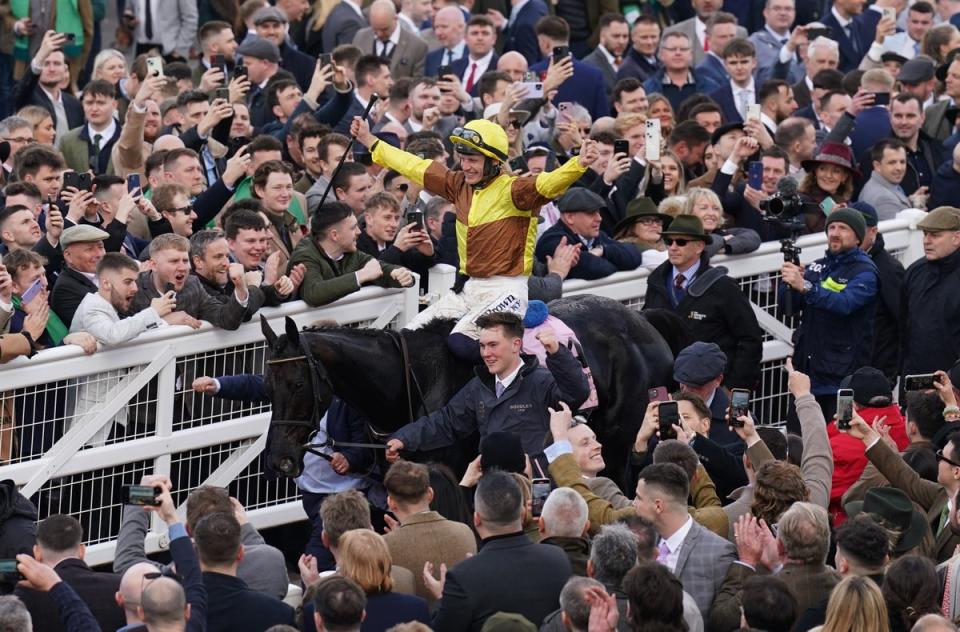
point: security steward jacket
(715, 310)
(521, 409)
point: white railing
(59, 453)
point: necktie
(471, 76)
(385, 49)
(916, 48)
(500, 389)
(854, 39)
(95, 153)
(663, 552)
(743, 104)
(617, 60)
(678, 291)
(784, 40)
(944, 517)
(945, 605)
(706, 45)
(449, 56)
(148, 20)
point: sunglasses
(514, 124)
(680, 242)
(940, 457)
(186, 210)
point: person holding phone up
(496, 221)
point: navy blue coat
(712, 73)
(520, 36)
(675, 95)
(929, 304)
(585, 87)
(864, 27)
(27, 91)
(332, 112)
(343, 423)
(299, 65)
(460, 67)
(945, 190)
(728, 105)
(808, 113)
(636, 65)
(616, 256)
(835, 336)
(233, 606)
(872, 125)
(434, 59)
(521, 409)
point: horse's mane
(435, 327)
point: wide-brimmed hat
(637, 209)
(895, 508)
(832, 154)
(687, 226)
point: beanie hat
(852, 218)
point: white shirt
(842, 21)
(611, 58)
(482, 64)
(451, 55)
(105, 135)
(751, 94)
(318, 475)
(507, 381)
(768, 122)
(701, 28)
(675, 543)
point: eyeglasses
(144, 584)
(186, 210)
(940, 457)
(515, 124)
(680, 242)
(653, 220)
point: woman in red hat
(830, 175)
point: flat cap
(269, 14)
(578, 199)
(81, 233)
(941, 218)
(259, 48)
(917, 70)
(868, 383)
(699, 363)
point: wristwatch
(807, 286)
(33, 345)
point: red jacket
(849, 457)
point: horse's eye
(298, 386)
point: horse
(392, 378)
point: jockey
(496, 221)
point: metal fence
(80, 427)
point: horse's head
(300, 393)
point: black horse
(393, 378)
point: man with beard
(836, 299)
(99, 315)
(141, 127)
(41, 85)
(169, 254)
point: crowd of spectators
(227, 156)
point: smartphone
(530, 76)
(669, 415)
(827, 205)
(844, 408)
(415, 218)
(155, 66)
(753, 112)
(541, 489)
(218, 61)
(168, 288)
(652, 150)
(70, 37)
(32, 291)
(80, 181)
(326, 59)
(445, 71)
(881, 98)
(239, 71)
(559, 52)
(621, 146)
(142, 495)
(889, 13)
(8, 569)
(755, 175)
(739, 406)
(222, 93)
(658, 394)
(133, 182)
(923, 382)
(534, 89)
(519, 165)
(819, 31)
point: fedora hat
(639, 208)
(896, 509)
(832, 154)
(687, 226)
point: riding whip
(366, 112)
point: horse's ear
(293, 333)
(268, 332)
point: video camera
(787, 206)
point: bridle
(409, 377)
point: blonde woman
(44, 131)
(856, 605)
(659, 107)
(363, 556)
(110, 65)
(705, 204)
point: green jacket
(326, 280)
(76, 153)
